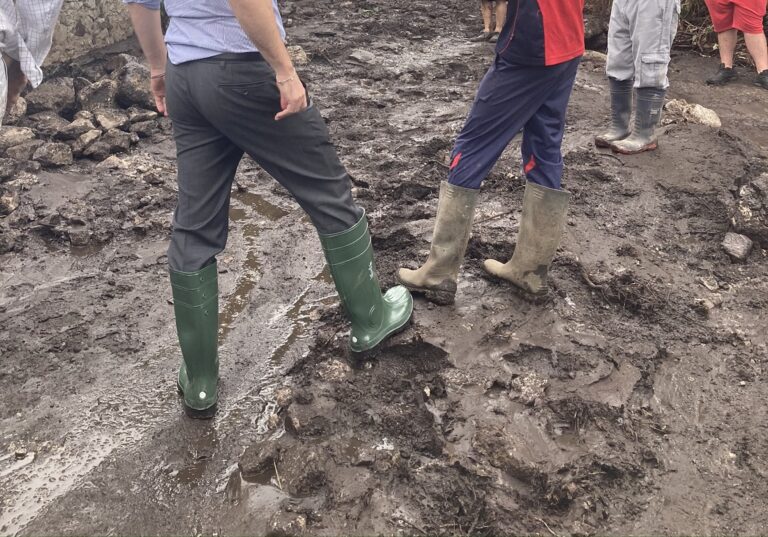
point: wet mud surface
(631, 402)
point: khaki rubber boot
(541, 227)
(437, 277)
(621, 113)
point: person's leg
(486, 10)
(501, 15)
(508, 96)
(298, 153)
(654, 26)
(206, 162)
(620, 68)
(545, 204)
(758, 49)
(748, 17)
(722, 13)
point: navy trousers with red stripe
(514, 98)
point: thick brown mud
(631, 402)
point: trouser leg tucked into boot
(541, 227)
(374, 316)
(621, 112)
(647, 116)
(196, 304)
(437, 277)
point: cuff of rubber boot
(195, 289)
(345, 245)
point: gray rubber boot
(3, 89)
(647, 116)
(436, 279)
(621, 113)
(541, 227)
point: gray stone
(285, 524)
(53, 154)
(133, 86)
(57, 95)
(144, 129)
(118, 141)
(11, 136)
(737, 246)
(298, 55)
(7, 168)
(363, 57)
(100, 94)
(25, 150)
(111, 119)
(86, 25)
(98, 150)
(9, 201)
(48, 123)
(84, 141)
(112, 163)
(74, 130)
(139, 115)
(84, 114)
(750, 210)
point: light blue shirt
(203, 28)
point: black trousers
(221, 108)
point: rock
(362, 57)
(284, 524)
(79, 235)
(98, 150)
(118, 141)
(694, 113)
(528, 388)
(74, 130)
(595, 56)
(48, 123)
(18, 111)
(100, 94)
(111, 119)
(53, 154)
(737, 246)
(133, 86)
(115, 63)
(85, 114)
(138, 115)
(112, 163)
(11, 136)
(7, 168)
(298, 55)
(56, 95)
(284, 396)
(333, 371)
(144, 129)
(25, 150)
(85, 141)
(750, 211)
(9, 202)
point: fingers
(294, 107)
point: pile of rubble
(77, 117)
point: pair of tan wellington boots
(541, 226)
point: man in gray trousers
(230, 88)
(640, 37)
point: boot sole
(360, 356)
(650, 147)
(604, 144)
(441, 298)
(193, 413)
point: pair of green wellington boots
(374, 316)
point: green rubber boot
(196, 304)
(374, 316)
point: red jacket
(542, 32)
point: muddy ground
(632, 402)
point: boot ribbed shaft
(373, 316)
(453, 224)
(621, 112)
(541, 228)
(196, 304)
(650, 102)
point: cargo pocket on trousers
(653, 70)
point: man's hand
(157, 85)
(293, 96)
